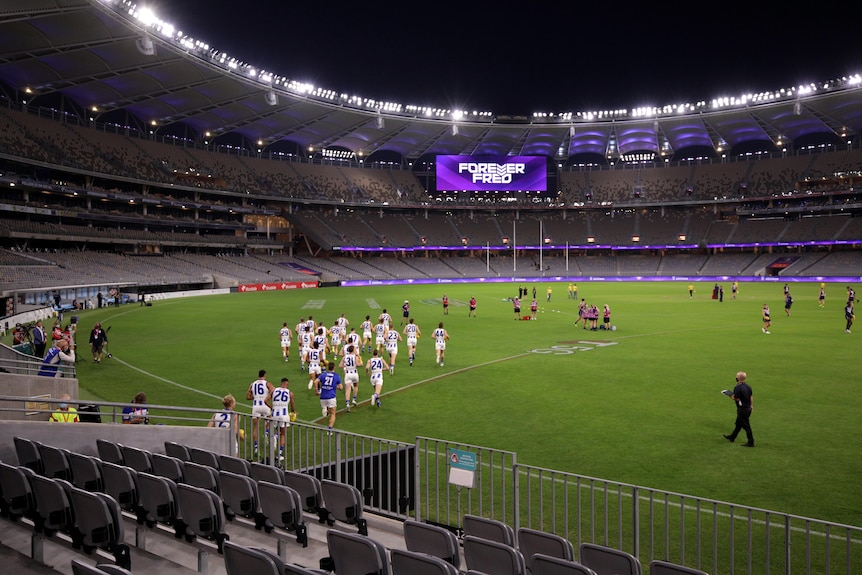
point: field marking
(372, 304)
(314, 304)
(165, 380)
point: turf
(644, 410)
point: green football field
(640, 404)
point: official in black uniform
(744, 398)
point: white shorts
(380, 340)
(411, 341)
(440, 345)
(351, 377)
(376, 379)
(285, 342)
(314, 368)
(261, 410)
(366, 335)
(281, 420)
(335, 341)
(327, 403)
(392, 348)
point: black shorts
(517, 310)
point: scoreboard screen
(491, 173)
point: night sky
(536, 56)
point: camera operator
(60, 351)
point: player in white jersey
(385, 319)
(314, 357)
(440, 339)
(311, 324)
(392, 339)
(411, 330)
(228, 418)
(322, 344)
(285, 335)
(350, 363)
(305, 339)
(367, 327)
(258, 393)
(352, 339)
(374, 368)
(283, 412)
(335, 336)
(380, 336)
(343, 323)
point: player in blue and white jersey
(285, 336)
(374, 368)
(282, 408)
(350, 363)
(392, 339)
(413, 333)
(441, 336)
(367, 328)
(258, 393)
(313, 357)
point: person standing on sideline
(59, 352)
(440, 339)
(571, 290)
(413, 333)
(445, 304)
(516, 307)
(821, 299)
(534, 307)
(744, 398)
(284, 335)
(549, 293)
(849, 315)
(64, 413)
(690, 291)
(472, 306)
(98, 339)
(788, 301)
(283, 412)
(606, 318)
(259, 394)
(374, 369)
(767, 321)
(734, 289)
(40, 340)
(405, 312)
(327, 387)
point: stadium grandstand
(135, 158)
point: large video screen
(491, 173)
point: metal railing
(412, 480)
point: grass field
(639, 405)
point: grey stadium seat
(344, 503)
(414, 563)
(100, 524)
(281, 507)
(659, 567)
(532, 541)
(355, 554)
(86, 471)
(433, 540)
(603, 560)
(487, 556)
(548, 565)
(491, 529)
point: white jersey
(412, 331)
(222, 418)
(353, 339)
(342, 323)
(305, 340)
(284, 334)
(385, 319)
(380, 332)
(375, 366)
(335, 335)
(260, 392)
(366, 329)
(350, 363)
(392, 338)
(313, 356)
(440, 338)
(281, 404)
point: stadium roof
(111, 61)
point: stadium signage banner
(244, 288)
(491, 173)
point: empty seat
(53, 505)
(110, 451)
(344, 503)
(263, 472)
(309, 490)
(138, 459)
(86, 471)
(202, 476)
(433, 540)
(203, 514)
(548, 565)
(204, 457)
(81, 568)
(487, 556)
(158, 502)
(491, 529)
(16, 492)
(170, 467)
(121, 483)
(414, 563)
(355, 554)
(240, 496)
(281, 506)
(241, 560)
(234, 464)
(55, 461)
(28, 454)
(532, 541)
(177, 450)
(100, 525)
(604, 560)
(658, 567)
